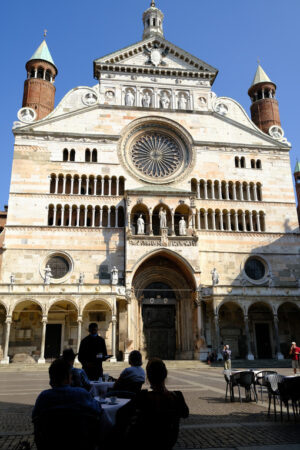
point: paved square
(213, 423)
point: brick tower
(297, 184)
(264, 108)
(39, 89)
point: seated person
(158, 412)
(132, 378)
(68, 417)
(78, 376)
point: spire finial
(45, 33)
(258, 61)
(152, 4)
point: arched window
(50, 215)
(94, 155)
(237, 161)
(120, 216)
(252, 164)
(243, 162)
(32, 73)
(48, 75)
(258, 164)
(52, 183)
(65, 154)
(72, 155)
(87, 155)
(40, 72)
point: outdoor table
(111, 409)
(99, 388)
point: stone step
(256, 363)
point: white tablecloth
(111, 410)
(99, 388)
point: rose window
(156, 155)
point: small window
(237, 161)
(154, 22)
(32, 73)
(252, 164)
(148, 22)
(65, 154)
(40, 73)
(258, 164)
(94, 155)
(255, 269)
(59, 266)
(72, 155)
(243, 163)
(87, 155)
(48, 75)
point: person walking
(92, 352)
(294, 352)
(226, 357)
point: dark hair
(93, 325)
(156, 371)
(68, 354)
(135, 358)
(59, 371)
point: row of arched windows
(90, 155)
(86, 185)
(195, 219)
(226, 190)
(86, 216)
(241, 163)
(41, 73)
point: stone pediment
(155, 52)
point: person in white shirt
(131, 378)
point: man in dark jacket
(92, 352)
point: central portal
(159, 313)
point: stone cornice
(74, 198)
(63, 229)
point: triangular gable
(173, 57)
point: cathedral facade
(151, 206)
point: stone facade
(150, 141)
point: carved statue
(214, 277)
(146, 100)
(129, 98)
(165, 101)
(182, 102)
(140, 225)
(114, 276)
(182, 227)
(48, 275)
(81, 278)
(162, 218)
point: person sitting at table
(131, 378)
(57, 408)
(158, 412)
(79, 377)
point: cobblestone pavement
(214, 423)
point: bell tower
(264, 108)
(153, 21)
(39, 89)
(297, 184)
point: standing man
(227, 357)
(294, 351)
(92, 352)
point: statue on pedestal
(165, 101)
(182, 227)
(140, 225)
(162, 218)
(214, 277)
(48, 275)
(114, 276)
(146, 100)
(129, 98)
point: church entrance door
(263, 343)
(53, 340)
(159, 314)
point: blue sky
(230, 35)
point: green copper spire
(297, 168)
(260, 76)
(43, 53)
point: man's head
(69, 356)
(60, 373)
(93, 329)
(294, 344)
(135, 358)
(156, 371)
(227, 347)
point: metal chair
(260, 380)
(246, 380)
(272, 382)
(289, 389)
(227, 374)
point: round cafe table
(99, 388)
(111, 409)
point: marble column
(79, 185)
(250, 355)
(150, 222)
(255, 192)
(79, 327)
(213, 220)
(117, 186)
(54, 215)
(64, 184)
(251, 220)
(244, 221)
(114, 338)
(109, 186)
(41, 359)
(205, 220)
(217, 336)
(85, 215)
(5, 359)
(172, 224)
(95, 186)
(72, 185)
(70, 216)
(227, 190)
(116, 217)
(205, 190)
(87, 186)
(248, 192)
(213, 190)
(78, 216)
(236, 221)
(56, 184)
(199, 220)
(102, 186)
(234, 191)
(193, 220)
(220, 190)
(101, 217)
(221, 221)
(279, 355)
(62, 220)
(93, 216)
(258, 222)
(241, 192)
(108, 217)
(228, 221)
(198, 189)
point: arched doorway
(289, 318)
(61, 329)
(165, 314)
(231, 323)
(261, 329)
